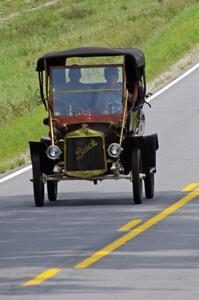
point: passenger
(110, 101)
(111, 76)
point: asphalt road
(42, 250)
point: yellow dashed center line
(124, 239)
(190, 187)
(138, 230)
(41, 277)
(130, 225)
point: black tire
(136, 163)
(52, 190)
(149, 186)
(38, 185)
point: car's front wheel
(52, 190)
(136, 163)
(149, 185)
(38, 185)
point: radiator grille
(84, 153)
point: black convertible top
(133, 56)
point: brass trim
(124, 118)
(103, 177)
(81, 133)
(85, 174)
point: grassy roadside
(8, 8)
(178, 32)
(172, 42)
(71, 24)
(16, 136)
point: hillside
(165, 30)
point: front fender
(148, 146)
(47, 164)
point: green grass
(164, 30)
(73, 24)
(8, 7)
(15, 136)
(172, 42)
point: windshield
(87, 90)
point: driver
(74, 75)
(69, 96)
(77, 97)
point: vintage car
(95, 120)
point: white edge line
(173, 82)
(29, 167)
(16, 173)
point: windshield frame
(71, 119)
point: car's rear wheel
(136, 163)
(38, 185)
(149, 185)
(52, 190)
